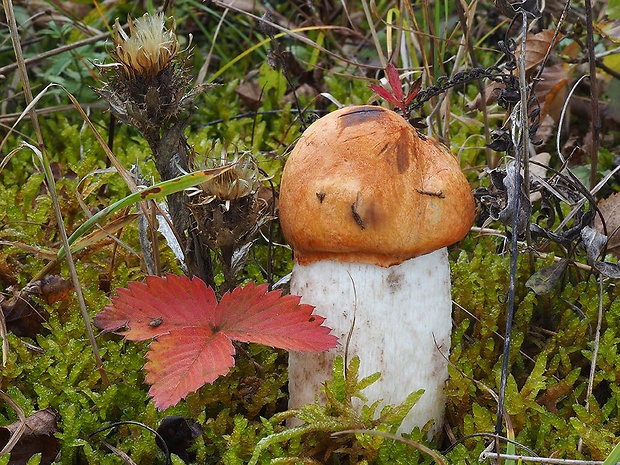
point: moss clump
(552, 344)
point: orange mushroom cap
(362, 186)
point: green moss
(549, 362)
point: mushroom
(368, 206)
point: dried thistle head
(148, 50)
(242, 180)
(229, 210)
(149, 86)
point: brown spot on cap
(359, 115)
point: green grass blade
(614, 457)
(154, 192)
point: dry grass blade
(40, 153)
(3, 332)
(104, 231)
(119, 453)
(22, 417)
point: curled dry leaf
(609, 29)
(37, 438)
(594, 244)
(24, 312)
(178, 434)
(537, 46)
(552, 88)
(194, 332)
(538, 171)
(546, 278)
(610, 209)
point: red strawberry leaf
(250, 314)
(157, 306)
(181, 362)
(394, 80)
(194, 333)
(384, 93)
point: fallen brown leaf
(37, 438)
(24, 313)
(610, 209)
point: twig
(417, 445)
(3, 333)
(494, 455)
(51, 53)
(521, 145)
(12, 117)
(595, 124)
(17, 434)
(597, 340)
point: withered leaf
(511, 180)
(546, 278)
(536, 48)
(610, 270)
(24, 313)
(37, 438)
(511, 8)
(178, 434)
(610, 209)
(552, 88)
(594, 243)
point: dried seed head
(242, 180)
(148, 50)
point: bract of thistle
(242, 180)
(228, 211)
(149, 49)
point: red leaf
(383, 93)
(414, 90)
(194, 332)
(250, 315)
(157, 306)
(181, 362)
(394, 80)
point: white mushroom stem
(396, 319)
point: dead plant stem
(597, 341)
(521, 158)
(595, 124)
(50, 53)
(547, 460)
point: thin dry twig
(20, 430)
(42, 56)
(595, 124)
(521, 159)
(548, 460)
